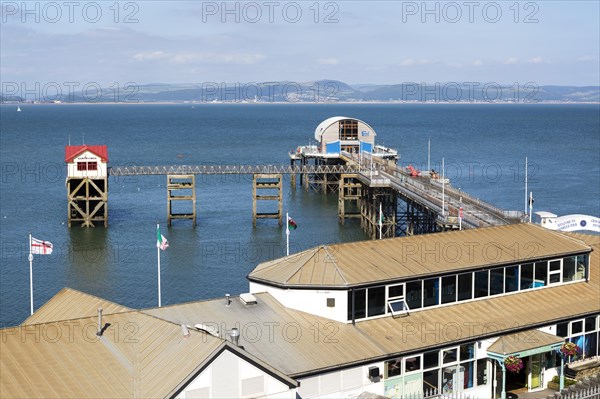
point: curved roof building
(341, 133)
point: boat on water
(18, 108)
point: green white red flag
(161, 241)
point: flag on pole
(39, 247)
(291, 225)
(161, 241)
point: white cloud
(512, 61)
(477, 63)
(535, 60)
(150, 55)
(586, 58)
(328, 61)
(412, 62)
(209, 58)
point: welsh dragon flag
(161, 241)
(291, 225)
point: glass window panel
(568, 269)
(431, 359)
(414, 294)
(431, 382)
(467, 371)
(467, 351)
(448, 289)
(562, 329)
(412, 363)
(497, 281)
(465, 286)
(482, 375)
(541, 274)
(360, 301)
(554, 265)
(449, 356)
(431, 290)
(511, 279)
(527, 276)
(393, 367)
(576, 327)
(396, 291)
(376, 301)
(590, 324)
(554, 278)
(590, 345)
(397, 307)
(581, 267)
(481, 284)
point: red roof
(72, 151)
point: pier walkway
(434, 194)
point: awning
(524, 343)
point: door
(536, 363)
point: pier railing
(229, 169)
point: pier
(389, 200)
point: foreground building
(402, 316)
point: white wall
(229, 376)
(347, 383)
(87, 156)
(310, 301)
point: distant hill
(326, 90)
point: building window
(83, 166)
(358, 297)
(481, 284)
(497, 281)
(465, 286)
(349, 129)
(431, 359)
(449, 289)
(431, 292)
(526, 276)
(568, 272)
(376, 301)
(541, 274)
(398, 307)
(393, 367)
(482, 372)
(414, 294)
(396, 291)
(412, 363)
(511, 279)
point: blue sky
(383, 42)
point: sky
(78, 43)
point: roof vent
(248, 299)
(235, 336)
(211, 329)
(185, 331)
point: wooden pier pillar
(369, 209)
(87, 201)
(349, 193)
(272, 185)
(181, 188)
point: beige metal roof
(72, 304)
(269, 330)
(523, 341)
(138, 356)
(361, 263)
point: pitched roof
(366, 262)
(72, 151)
(302, 344)
(523, 341)
(72, 304)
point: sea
(483, 148)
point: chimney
(185, 331)
(227, 300)
(99, 332)
(235, 336)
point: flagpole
(443, 189)
(158, 256)
(530, 205)
(380, 219)
(287, 234)
(526, 185)
(30, 275)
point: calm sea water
(484, 147)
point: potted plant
(513, 364)
(569, 349)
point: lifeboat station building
(421, 315)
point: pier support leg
(371, 202)
(181, 189)
(349, 193)
(87, 201)
(271, 185)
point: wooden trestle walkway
(437, 200)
